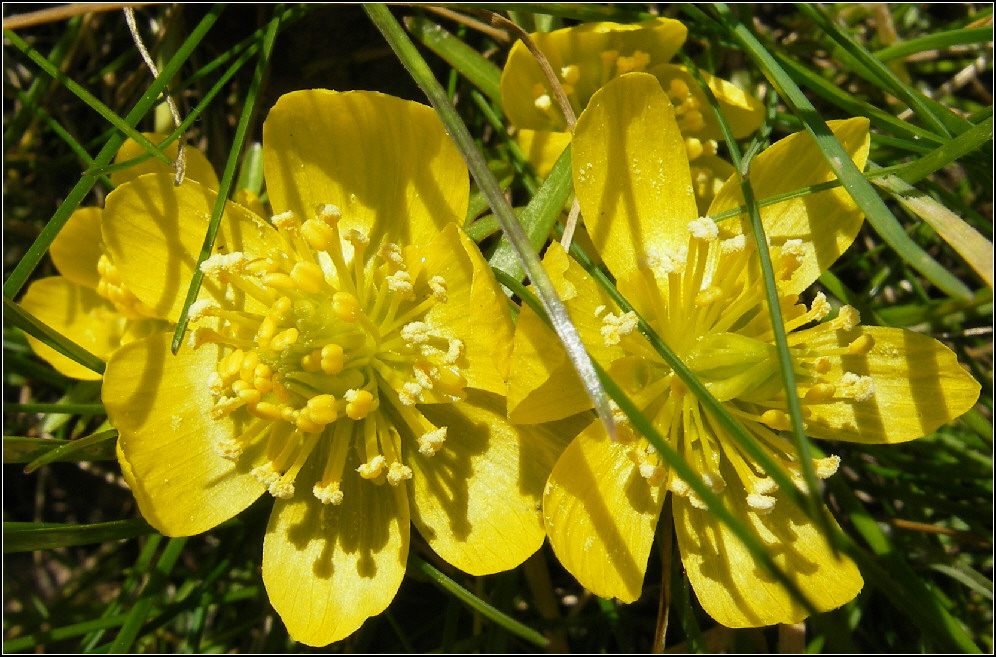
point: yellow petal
(79, 314)
(743, 112)
(581, 46)
(76, 249)
(476, 501)
(601, 515)
(826, 222)
(153, 232)
(387, 163)
(475, 311)
(542, 148)
(631, 173)
(543, 384)
(161, 408)
(735, 589)
(328, 568)
(197, 166)
(918, 386)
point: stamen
(615, 328)
(431, 441)
(704, 228)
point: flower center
(709, 306)
(335, 333)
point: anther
(860, 388)
(820, 393)
(358, 403)
(400, 282)
(328, 494)
(308, 277)
(398, 472)
(861, 345)
(615, 328)
(847, 318)
(222, 263)
(328, 213)
(570, 74)
(284, 339)
(345, 306)
(777, 420)
(543, 102)
(331, 358)
(415, 333)
(826, 467)
(285, 221)
(373, 468)
(318, 234)
(431, 441)
(761, 504)
(704, 228)
(438, 286)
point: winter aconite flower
(698, 284)
(347, 357)
(586, 57)
(87, 303)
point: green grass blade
(25, 449)
(419, 70)
(463, 595)
(76, 450)
(538, 217)
(967, 142)
(468, 62)
(864, 195)
(228, 177)
(36, 252)
(935, 41)
(142, 609)
(25, 537)
(28, 323)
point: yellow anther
(777, 420)
(356, 238)
(859, 388)
(308, 277)
(358, 403)
(345, 306)
(288, 414)
(266, 474)
(415, 333)
(240, 386)
(267, 329)
(398, 472)
(454, 352)
(821, 392)
(637, 62)
(431, 441)
(861, 345)
(438, 286)
(693, 148)
(710, 295)
(609, 58)
(822, 365)
(400, 282)
(331, 358)
(677, 90)
(230, 365)
(328, 213)
(247, 370)
(266, 411)
(321, 409)
(283, 396)
(279, 280)
(714, 481)
(224, 263)
(761, 504)
(318, 234)
(328, 494)
(543, 102)
(373, 468)
(282, 489)
(391, 253)
(286, 221)
(615, 328)
(312, 362)
(305, 424)
(826, 467)
(678, 389)
(281, 306)
(693, 121)
(284, 339)
(262, 378)
(261, 266)
(847, 318)
(570, 74)
(249, 395)
(704, 228)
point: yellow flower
(698, 285)
(349, 357)
(587, 56)
(88, 303)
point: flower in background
(348, 356)
(87, 303)
(586, 57)
(698, 284)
